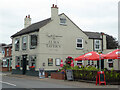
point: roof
(6, 46)
(32, 28)
(93, 35)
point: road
(13, 82)
(29, 83)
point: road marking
(8, 83)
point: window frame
(16, 60)
(56, 61)
(80, 62)
(17, 44)
(33, 46)
(110, 62)
(50, 64)
(64, 21)
(24, 47)
(30, 61)
(88, 62)
(97, 44)
(79, 43)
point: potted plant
(17, 67)
(32, 67)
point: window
(24, 43)
(57, 61)
(88, 62)
(79, 62)
(7, 51)
(63, 21)
(110, 63)
(32, 60)
(17, 42)
(79, 43)
(4, 63)
(33, 41)
(92, 62)
(17, 61)
(97, 44)
(50, 62)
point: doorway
(24, 66)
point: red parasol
(113, 55)
(61, 63)
(79, 58)
(90, 56)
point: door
(24, 63)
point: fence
(110, 76)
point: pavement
(78, 84)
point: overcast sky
(89, 15)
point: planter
(58, 75)
(17, 68)
(32, 69)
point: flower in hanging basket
(68, 62)
(31, 66)
(17, 66)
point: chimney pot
(56, 6)
(53, 6)
(28, 16)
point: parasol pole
(100, 61)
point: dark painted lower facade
(30, 72)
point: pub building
(45, 43)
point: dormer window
(63, 21)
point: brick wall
(58, 76)
(5, 69)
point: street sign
(100, 78)
(69, 74)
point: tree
(112, 43)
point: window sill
(63, 24)
(79, 48)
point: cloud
(93, 15)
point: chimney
(27, 21)
(54, 12)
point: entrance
(24, 60)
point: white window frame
(109, 62)
(30, 60)
(79, 62)
(97, 44)
(65, 21)
(16, 60)
(89, 62)
(79, 43)
(50, 59)
(16, 42)
(33, 46)
(57, 61)
(24, 48)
